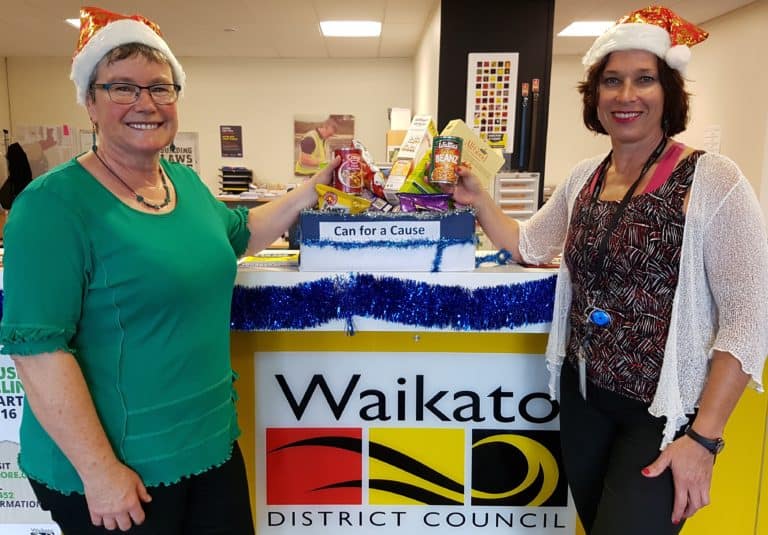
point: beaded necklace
(140, 198)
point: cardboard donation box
(376, 241)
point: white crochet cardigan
(721, 300)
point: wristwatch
(712, 445)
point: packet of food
(377, 204)
(397, 175)
(417, 180)
(419, 202)
(373, 179)
(333, 199)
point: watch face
(719, 446)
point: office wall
(426, 67)
(568, 141)
(5, 120)
(261, 95)
(764, 181)
(728, 76)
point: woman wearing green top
(118, 278)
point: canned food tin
(348, 176)
(446, 156)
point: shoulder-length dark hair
(675, 116)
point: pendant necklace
(596, 316)
(140, 198)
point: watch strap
(712, 445)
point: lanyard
(602, 249)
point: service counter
(375, 403)
(388, 402)
(405, 402)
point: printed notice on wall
(231, 141)
(184, 150)
(20, 512)
(712, 134)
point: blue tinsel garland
(311, 304)
(408, 302)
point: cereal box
(418, 140)
(485, 161)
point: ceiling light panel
(585, 28)
(350, 28)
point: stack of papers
(269, 259)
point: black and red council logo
(414, 466)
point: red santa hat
(101, 31)
(656, 29)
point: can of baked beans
(348, 176)
(446, 157)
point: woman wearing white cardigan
(661, 307)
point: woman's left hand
(467, 189)
(691, 467)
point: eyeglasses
(122, 93)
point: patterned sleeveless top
(638, 282)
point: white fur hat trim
(119, 32)
(638, 36)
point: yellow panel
(762, 506)
(736, 482)
(242, 363)
(428, 342)
(761, 524)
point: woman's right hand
(503, 231)
(468, 188)
(58, 395)
(115, 498)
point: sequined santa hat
(101, 31)
(656, 29)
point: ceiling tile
(300, 12)
(399, 40)
(350, 9)
(357, 47)
(247, 41)
(408, 11)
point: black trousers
(606, 441)
(215, 502)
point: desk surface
(237, 199)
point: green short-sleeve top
(143, 303)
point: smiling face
(140, 129)
(630, 102)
